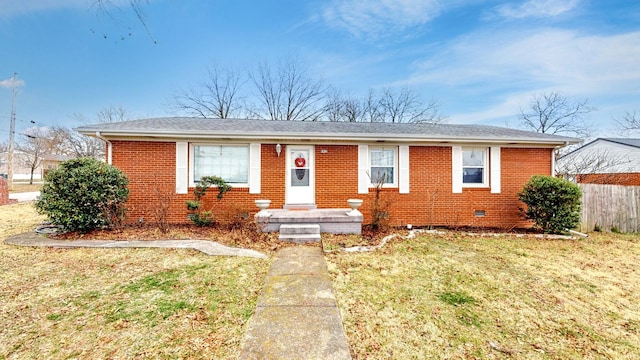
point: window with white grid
(230, 162)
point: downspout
(109, 146)
(553, 161)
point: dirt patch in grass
(121, 303)
(464, 297)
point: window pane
(384, 174)
(228, 162)
(473, 158)
(472, 175)
(382, 157)
(299, 177)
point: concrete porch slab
(335, 221)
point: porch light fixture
(278, 149)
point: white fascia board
(282, 137)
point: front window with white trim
(230, 162)
(474, 167)
(383, 165)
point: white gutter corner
(109, 146)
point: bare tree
(289, 94)
(340, 108)
(39, 142)
(630, 121)
(554, 113)
(334, 105)
(217, 97)
(371, 108)
(405, 106)
(112, 114)
(78, 145)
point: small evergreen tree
(84, 194)
(552, 203)
(199, 216)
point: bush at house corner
(84, 194)
(552, 203)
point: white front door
(300, 174)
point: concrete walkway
(24, 196)
(297, 315)
(205, 246)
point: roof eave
(116, 134)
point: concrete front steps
(299, 233)
(333, 221)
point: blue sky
(481, 60)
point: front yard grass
(431, 297)
(120, 303)
(462, 297)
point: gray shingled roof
(199, 128)
(629, 142)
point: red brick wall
(4, 192)
(151, 166)
(627, 179)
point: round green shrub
(84, 194)
(552, 203)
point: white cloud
(9, 83)
(559, 58)
(503, 69)
(374, 19)
(536, 8)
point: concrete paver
(297, 315)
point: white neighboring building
(603, 161)
(22, 172)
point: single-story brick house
(451, 175)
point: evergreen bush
(552, 203)
(84, 194)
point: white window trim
(495, 169)
(404, 167)
(486, 169)
(492, 173)
(396, 167)
(363, 171)
(182, 170)
(192, 182)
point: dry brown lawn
(120, 303)
(25, 187)
(431, 297)
(462, 297)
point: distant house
(21, 168)
(604, 161)
(455, 175)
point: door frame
(290, 196)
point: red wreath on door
(300, 162)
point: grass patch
(121, 303)
(467, 297)
(456, 298)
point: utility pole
(12, 133)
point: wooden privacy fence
(610, 207)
